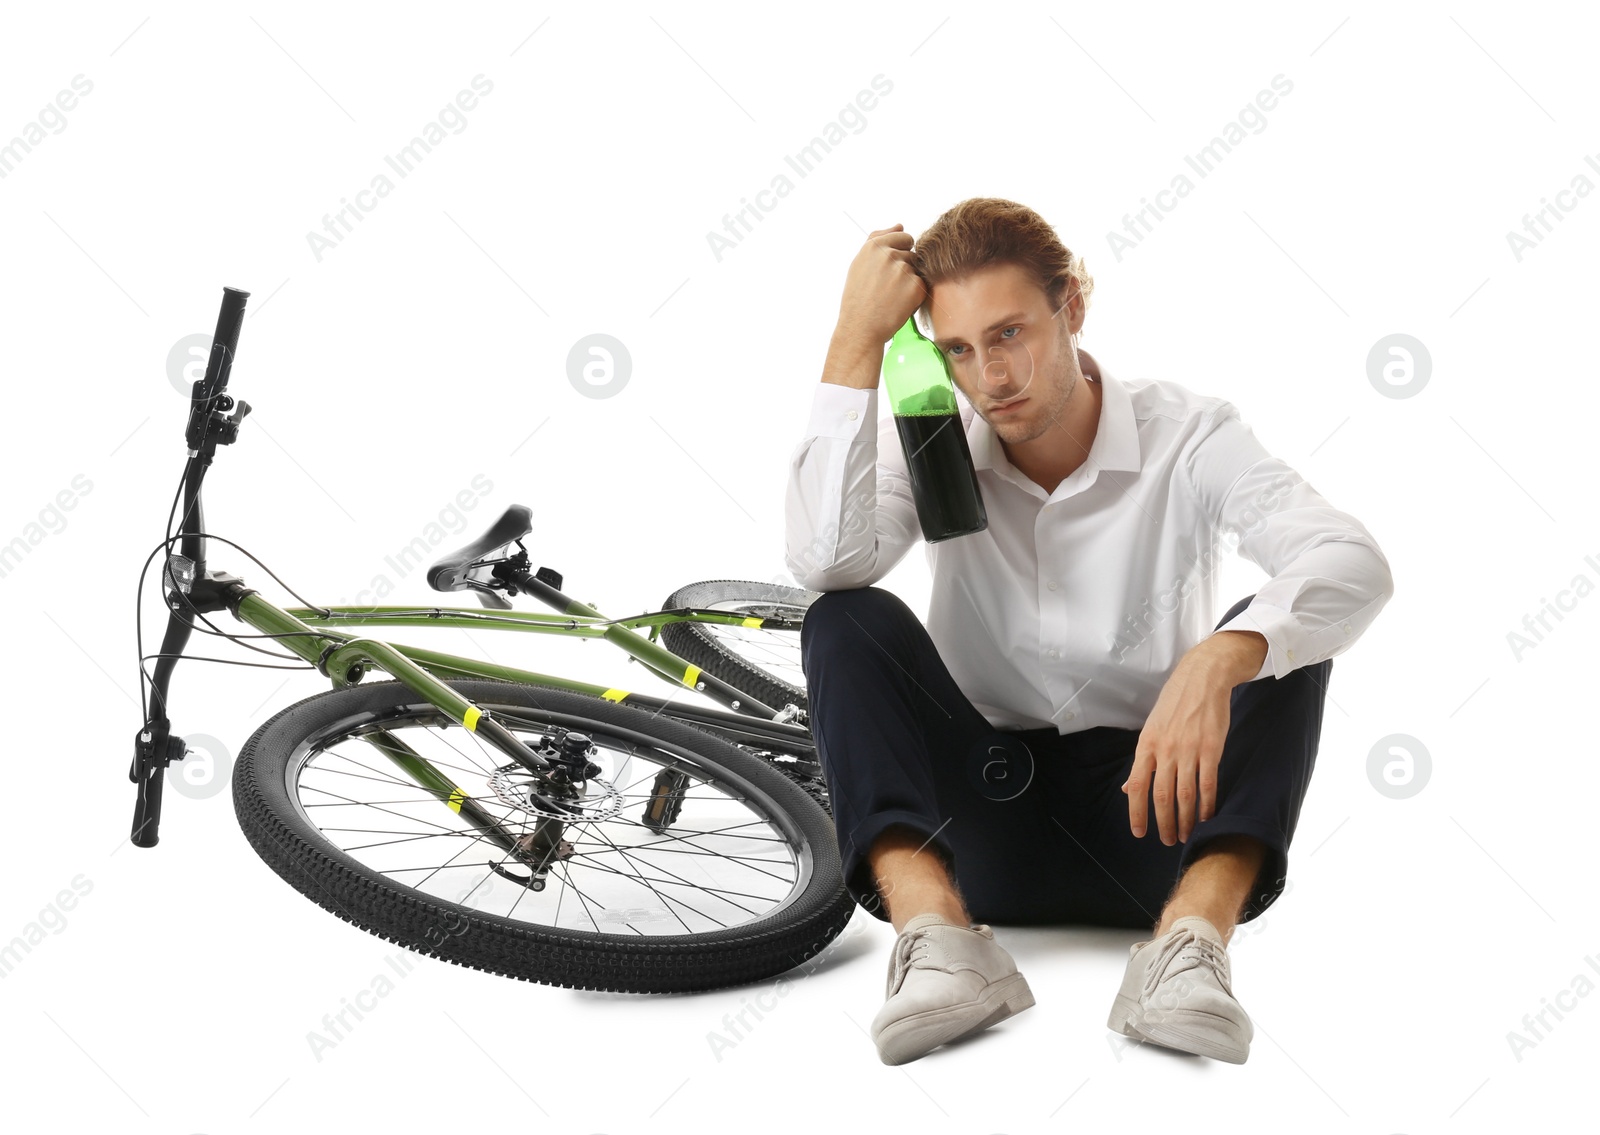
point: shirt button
(1347, 628)
(1291, 655)
(1052, 653)
(1051, 585)
(1071, 713)
(851, 415)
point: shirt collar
(1116, 438)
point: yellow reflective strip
(691, 676)
(456, 797)
(470, 720)
(615, 695)
(751, 622)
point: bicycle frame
(346, 658)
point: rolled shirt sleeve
(1329, 577)
(849, 516)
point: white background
(432, 341)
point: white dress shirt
(1073, 607)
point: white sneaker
(1178, 993)
(945, 981)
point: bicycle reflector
(179, 574)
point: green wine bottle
(923, 399)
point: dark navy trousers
(1032, 824)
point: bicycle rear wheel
(764, 662)
(682, 864)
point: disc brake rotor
(513, 785)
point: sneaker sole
(1125, 1011)
(917, 1035)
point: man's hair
(981, 231)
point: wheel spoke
(707, 854)
(390, 811)
(646, 881)
(679, 881)
(566, 875)
(608, 858)
(764, 661)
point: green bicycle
(522, 823)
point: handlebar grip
(226, 337)
(147, 810)
(224, 344)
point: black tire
(769, 672)
(284, 752)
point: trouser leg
(1267, 762)
(900, 743)
(1034, 829)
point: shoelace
(1186, 951)
(904, 956)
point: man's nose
(1004, 374)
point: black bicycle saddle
(452, 572)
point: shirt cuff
(1281, 632)
(840, 411)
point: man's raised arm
(849, 516)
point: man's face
(1006, 347)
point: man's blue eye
(1017, 328)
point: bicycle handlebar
(154, 746)
(224, 344)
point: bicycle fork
(346, 660)
(536, 850)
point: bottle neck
(909, 332)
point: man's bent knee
(852, 610)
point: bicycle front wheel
(677, 862)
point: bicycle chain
(810, 783)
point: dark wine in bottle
(944, 483)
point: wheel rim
(731, 857)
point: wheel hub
(598, 800)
